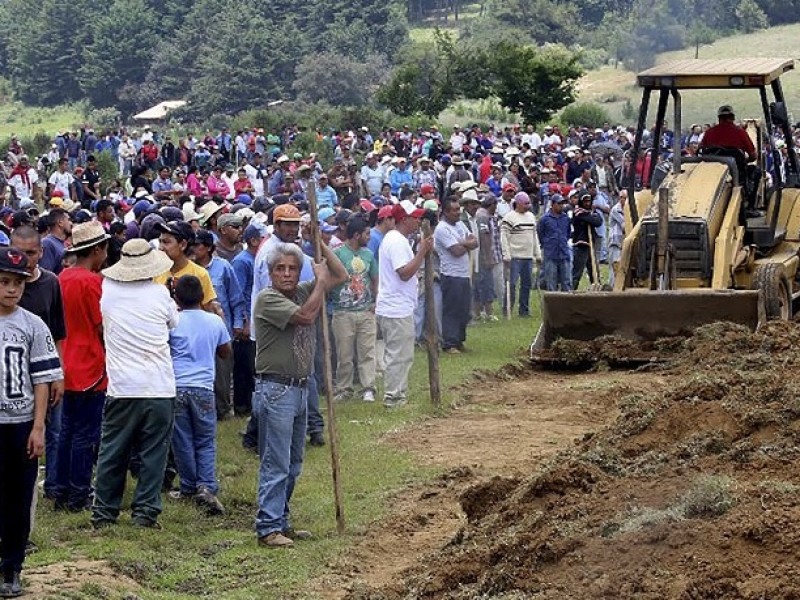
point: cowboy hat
(208, 210)
(138, 261)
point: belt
(283, 380)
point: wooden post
(327, 369)
(431, 335)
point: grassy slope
(18, 119)
(196, 555)
(701, 106)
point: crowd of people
(138, 312)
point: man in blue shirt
(400, 176)
(326, 195)
(244, 349)
(553, 230)
(230, 297)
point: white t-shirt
(24, 190)
(137, 317)
(61, 182)
(396, 298)
(256, 180)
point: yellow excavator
(708, 237)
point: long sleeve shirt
(553, 231)
(518, 237)
(229, 293)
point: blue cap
(244, 199)
(4, 241)
(142, 207)
(327, 228)
(254, 230)
(325, 213)
(445, 159)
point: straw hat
(139, 261)
(208, 210)
(189, 214)
(86, 235)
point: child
(194, 342)
(29, 364)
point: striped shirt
(27, 357)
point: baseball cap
(142, 207)
(386, 212)
(325, 227)
(254, 230)
(325, 213)
(726, 110)
(431, 205)
(509, 187)
(366, 205)
(343, 216)
(244, 199)
(13, 261)
(427, 188)
(230, 219)
(286, 212)
(179, 229)
(558, 199)
(406, 209)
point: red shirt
(726, 134)
(84, 354)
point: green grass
(611, 87)
(18, 119)
(196, 555)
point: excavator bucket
(640, 315)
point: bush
(629, 111)
(585, 114)
(108, 168)
(104, 118)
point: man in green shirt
(354, 312)
(284, 318)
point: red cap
(386, 211)
(400, 212)
(56, 194)
(427, 188)
(366, 205)
(509, 187)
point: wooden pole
(431, 334)
(327, 370)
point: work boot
(317, 439)
(275, 540)
(297, 534)
(209, 501)
(12, 585)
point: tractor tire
(775, 288)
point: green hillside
(612, 87)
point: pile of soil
(693, 492)
(612, 349)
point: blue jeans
(456, 310)
(194, 439)
(78, 444)
(521, 269)
(281, 413)
(557, 272)
(52, 432)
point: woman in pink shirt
(193, 185)
(216, 184)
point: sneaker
(297, 534)
(317, 439)
(275, 540)
(342, 396)
(390, 402)
(12, 586)
(209, 501)
(452, 351)
(369, 396)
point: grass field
(611, 87)
(19, 119)
(218, 557)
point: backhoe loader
(708, 237)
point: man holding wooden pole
(284, 324)
(397, 299)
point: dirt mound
(693, 492)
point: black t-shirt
(90, 178)
(43, 298)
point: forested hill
(228, 56)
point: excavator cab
(709, 239)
